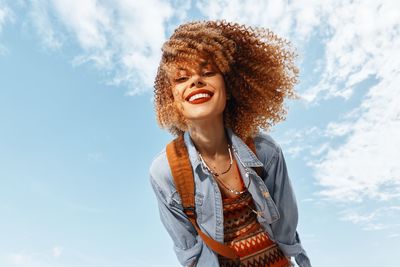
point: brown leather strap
(219, 248)
(181, 168)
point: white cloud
(335, 129)
(356, 33)
(365, 42)
(356, 156)
(6, 15)
(383, 218)
(122, 38)
(362, 41)
(39, 17)
(140, 36)
(364, 166)
(3, 16)
(297, 141)
(87, 20)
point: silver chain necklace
(211, 171)
(216, 175)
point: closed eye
(208, 73)
(181, 79)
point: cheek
(222, 87)
(220, 83)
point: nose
(197, 82)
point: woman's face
(199, 91)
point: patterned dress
(246, 236)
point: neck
(209, 137)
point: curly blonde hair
(258, 69)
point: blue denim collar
(246, 156)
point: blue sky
(78, 131)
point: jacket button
(266, 194)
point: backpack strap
(181, 169)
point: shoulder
(160, 173)
(266, 140)
(267, 148)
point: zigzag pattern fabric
(244, 233)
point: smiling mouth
(199, 96)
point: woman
(217, 86)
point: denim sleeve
(187, 243)
(284, 229)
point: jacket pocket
(270, 212)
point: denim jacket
(272, 194)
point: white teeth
(197, 96)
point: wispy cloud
(40, 18)
(6, 16)
(357, 161)
(357, 35)
(365, 165)
(353, 156)
(365, 42)
(120, 38)
(123, 37)
(374, 219)
(297, 141)
(89, 21)
(361, 40)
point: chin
(204, 115)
